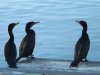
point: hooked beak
(37, 22)
(16, 23)
(77, 21)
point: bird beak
(16, 23)
(37, 22)
(77, 21)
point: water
(57, 32)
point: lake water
(57, 32)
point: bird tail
(75, 63)
(17, 59)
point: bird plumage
(28, 43)
(82, 46)
(10, 48)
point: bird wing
(27, 45)
(10, 52)
(84, 48)
(77, 47)
(22, 45)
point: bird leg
(85, 60)
(32, 56)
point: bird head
(30, 24)
(83, 24)
(12, 25)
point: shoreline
(44, 66)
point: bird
(82, 46)
(10, 48)
(28, 43)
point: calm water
(57, 32)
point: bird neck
(27, 30)
(11, 35)
(84, 31)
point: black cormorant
(10, 47)
(28, 43)
(82, 46)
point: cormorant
(10, 47)
(82, 46)
(28, 43)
